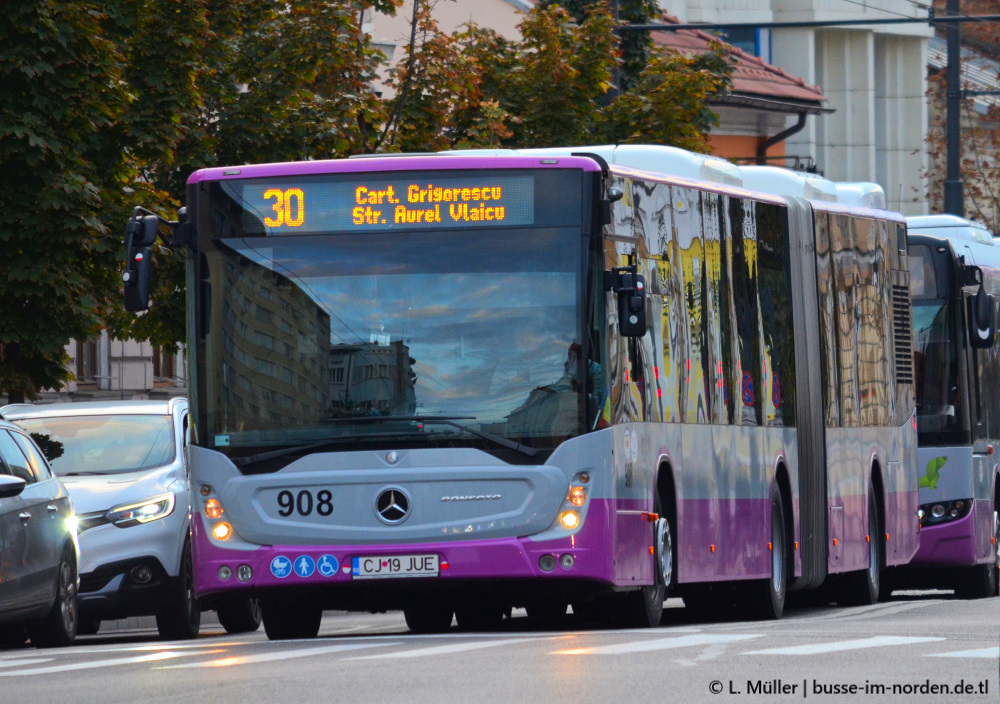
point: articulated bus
(955, 281)
(461, 383)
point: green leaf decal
(930, 478)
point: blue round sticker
(327, 565)
(304, 566)
(281, 567)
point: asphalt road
(905, 650)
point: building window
(164, 364)
(86, 360)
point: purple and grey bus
(462, 383)
(955, 267)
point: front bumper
(112, 591)
(482, 562)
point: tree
(62, 100)
(636, 47)
(479, 89)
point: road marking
(139, 659)
(446, 649)
(18, 663)
(659, 644)
(273, 657)
(860, 643)
(990, 653)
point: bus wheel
(765, 599)
(286, 620)
(980, 581)
(430, 618)
(479, 616)
(239, 615)
(546, 613)
(861, 588)
(643, 608)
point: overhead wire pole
(954, 195)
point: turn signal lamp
(577, 496)
(213, 509)
(222, 531)
(569, 519)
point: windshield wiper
(445, 420)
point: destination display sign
(313, 205)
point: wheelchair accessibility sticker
(327, 565)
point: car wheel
(284, 620)
(181, 619)
(58, 628)
(240, 615)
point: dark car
(39, 552)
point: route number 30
(289, 207)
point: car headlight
(150, 509)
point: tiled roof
(752, 77)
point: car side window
(36, 460)
(15, 458)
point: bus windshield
(942, 418)
(316, 336)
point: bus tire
(429, 618)
(861, 588)
(764, 599)
(479, 616)
(643, 608)
(546, 613)
(980, 581)
(181, 618)
(289, 620)
(240, 615)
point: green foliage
(61, 102)
(635, 47)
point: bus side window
(744, 266)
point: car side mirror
(11, 486)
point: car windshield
(110, 444)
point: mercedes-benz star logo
(392, 506)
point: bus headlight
(151, 509)
(944, 512)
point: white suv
(124, 465)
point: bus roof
(949, 226)
(402, 162)
(774, 179)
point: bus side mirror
(140, 235)
(982, 320)
(631, 291)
